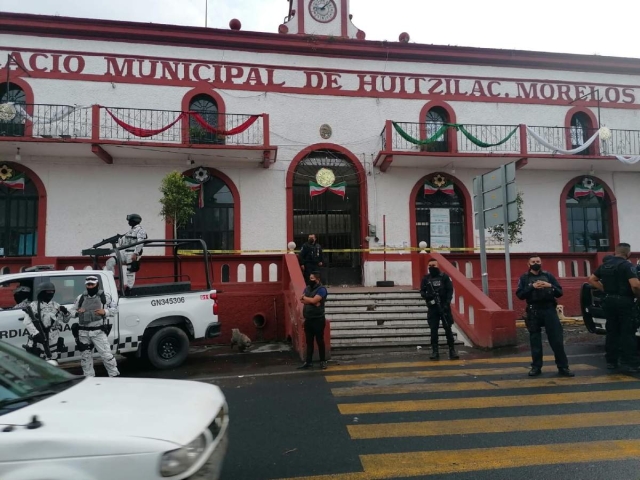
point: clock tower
(320, 17)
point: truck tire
(168, 348)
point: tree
(515, 228)
(178, 201)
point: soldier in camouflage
(94, 308)
(130, 257)
(51, 314)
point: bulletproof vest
(613, 281)
(132, 236)
(311, 311)
(542, 295)
(313, 253)
(438, 284)
(90, 304)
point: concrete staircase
(379, 319)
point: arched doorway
(216, 218)
(588, 216)
(440, 207)
(208, 109)
(326, 200)
(19, 203)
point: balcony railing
(485, 138)
(108, 124)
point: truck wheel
(168, 348)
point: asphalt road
(398, 415)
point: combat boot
(453, 355)
(435, 355)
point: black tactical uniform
(310, 258)
(541, 312)
(438, 284)
(619, 305)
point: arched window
(580, 131)
(440, 213)
(588, 217)
(13, 127)
(436, 117)
(207, 107)
(214, 219)
(18, 213)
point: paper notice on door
(440, 228)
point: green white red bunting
(17, 182)
(580, 191)
(430, 188)
(196, 187)
(339, 189)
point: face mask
(46, 297)
(536, 267)
(132, 223)
(92, 291)
(434, 271)
(312, 241)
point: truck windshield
(25, 378)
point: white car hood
(168, 410)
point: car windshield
(25, 378)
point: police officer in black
(310, 257)
(618, 279)
(437, 290)
(540, 290)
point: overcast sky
(587, 26)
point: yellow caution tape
(340, 250)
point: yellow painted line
(488, 402)
(421, 464)
(440, 373)
(494, 425)
(440, 363)
(483, 385)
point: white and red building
(100, 111)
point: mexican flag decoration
(16, 182)
(586, 188)
(439, 184)
(195, 186)
(339, 189)
(326, 180)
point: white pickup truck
(154, 322)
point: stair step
(380, 296)
(364, 310)
(338, 324)
(423, 341)
(367, 331)
(381, 334)
(418, 302)
(378, 316)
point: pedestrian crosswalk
(423, 419)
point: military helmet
(134, 217)
(45, 287)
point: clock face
(323, 11)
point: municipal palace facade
(310, 129)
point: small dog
(240, 339)
(560, 310)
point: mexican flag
(196, 187)
(448, 188)
(580, 192)
(430, 188)
(598, 191)
(339, 189)
(316, 189)
(17, 182)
